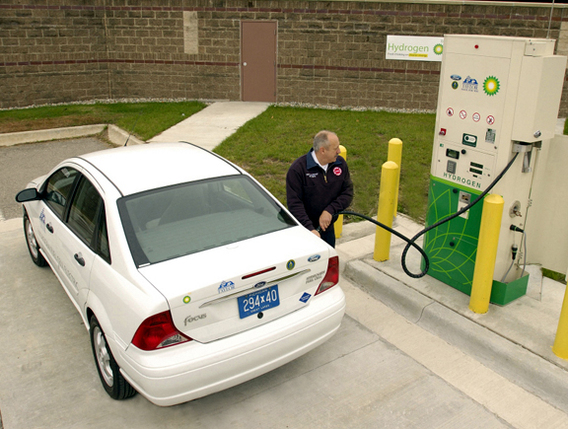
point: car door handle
(80, 260)
(49, 228)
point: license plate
(256, 302)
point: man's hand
(325, 220)
(316, 233)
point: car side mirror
(30, 194)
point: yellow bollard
(486, 253)
(338, 225)
(389, 173)
(395, 155)
(560, 347)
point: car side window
(102, 248)
(84, 211)
(58, 189)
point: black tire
(113, 382)
(33, 246)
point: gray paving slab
(22, 163)
(514, 340)
(355, 380)
(209, 127)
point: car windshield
(166, 223)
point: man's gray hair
(322, 139)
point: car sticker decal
(225, 286)
(314, 258)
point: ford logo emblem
(314, 258)
(259, 284)
(455, 77)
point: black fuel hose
(411, 242)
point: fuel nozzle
(525, 148)
(516, 229)
(514, 250)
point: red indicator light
(248, 276)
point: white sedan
(189, 275)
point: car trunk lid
(229, 289)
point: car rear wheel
(109, 372)
(33, 246)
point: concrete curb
(114, 134)
(10, 139)
(496, 352)
(119, 137)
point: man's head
(326, 147)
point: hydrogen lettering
(403, 47)
(462, 180)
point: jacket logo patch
(337, 171)
(312, 175)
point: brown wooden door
(258, 61)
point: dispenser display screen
(450, 153)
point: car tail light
(331, 277)
(158, 331)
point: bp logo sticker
(438, 49)
(491, 85)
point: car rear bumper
(192, 370)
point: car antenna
(132, 130)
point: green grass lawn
(267, 145)
(145, 119)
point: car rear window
(180, 220)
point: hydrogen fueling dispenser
(498, 96)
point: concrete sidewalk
(209, 127)
(514, 340)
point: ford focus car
(190, 277)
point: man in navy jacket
(318, 185)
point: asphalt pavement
(409, 353)
(24, 162)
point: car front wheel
(33, 246)
(109, 372)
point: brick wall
(329, 53)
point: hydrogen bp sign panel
(470, 117)
(414, 48)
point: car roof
(134, 169)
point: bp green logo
(438, 49)
(491, 85)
